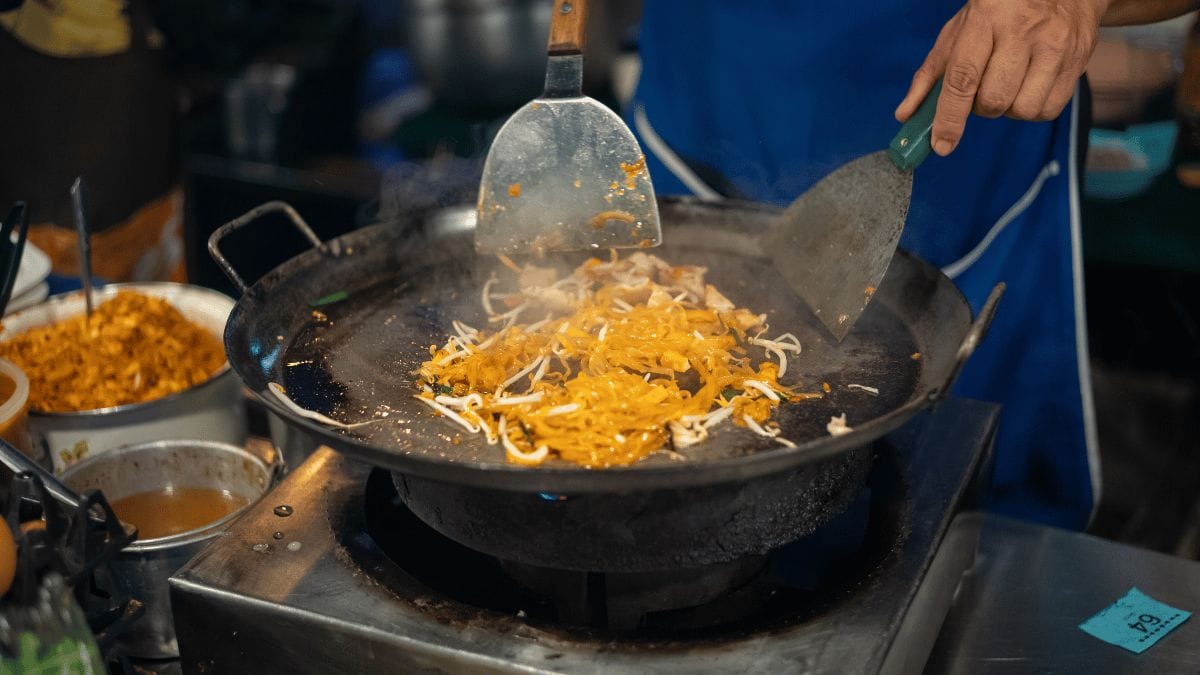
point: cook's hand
(1019, 58)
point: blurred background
(356, 110)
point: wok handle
(972, 339)
(214, 241)
(567, 27)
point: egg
(8, 558)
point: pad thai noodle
(134, 348)
(612, 363)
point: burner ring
(647, 531)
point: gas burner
(766, 589)
(629, 601)
(348, 579)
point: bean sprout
(281, 394)
(758, 429)
(450, 414)
(517, 400)
(764, 388)
(521, 373)
(461, 402)
(465, 332)
(535, 457)
(486, 295)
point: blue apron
(761, 99)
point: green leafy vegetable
(329, 299)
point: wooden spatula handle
(567, 25)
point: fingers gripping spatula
(564, 172)
(835, 242)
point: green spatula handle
(910, 147)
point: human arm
(1020, 58)
(1135, 12)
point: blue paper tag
(1135, 622)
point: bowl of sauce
(173, 510)
(180, 495)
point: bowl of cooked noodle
(148, 365)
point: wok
(735, 494)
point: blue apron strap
(954, 269)
(1082, 355)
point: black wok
(404, 282)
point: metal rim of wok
(274, 308)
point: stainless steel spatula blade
(565, 172)
(834, 243)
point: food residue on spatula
(632, 171)
(597, 222)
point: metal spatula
(564, 172)
(835, 242)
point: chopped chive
(329, 299)
(443, 389)
(728, 394)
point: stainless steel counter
(1019, 608)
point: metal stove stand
(306, 588)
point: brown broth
(169, 511)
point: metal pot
(293, 444)
(491, 54)
(145, 565)
(213, 410)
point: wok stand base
(623, 601)
(330, 588)
(642, 531)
